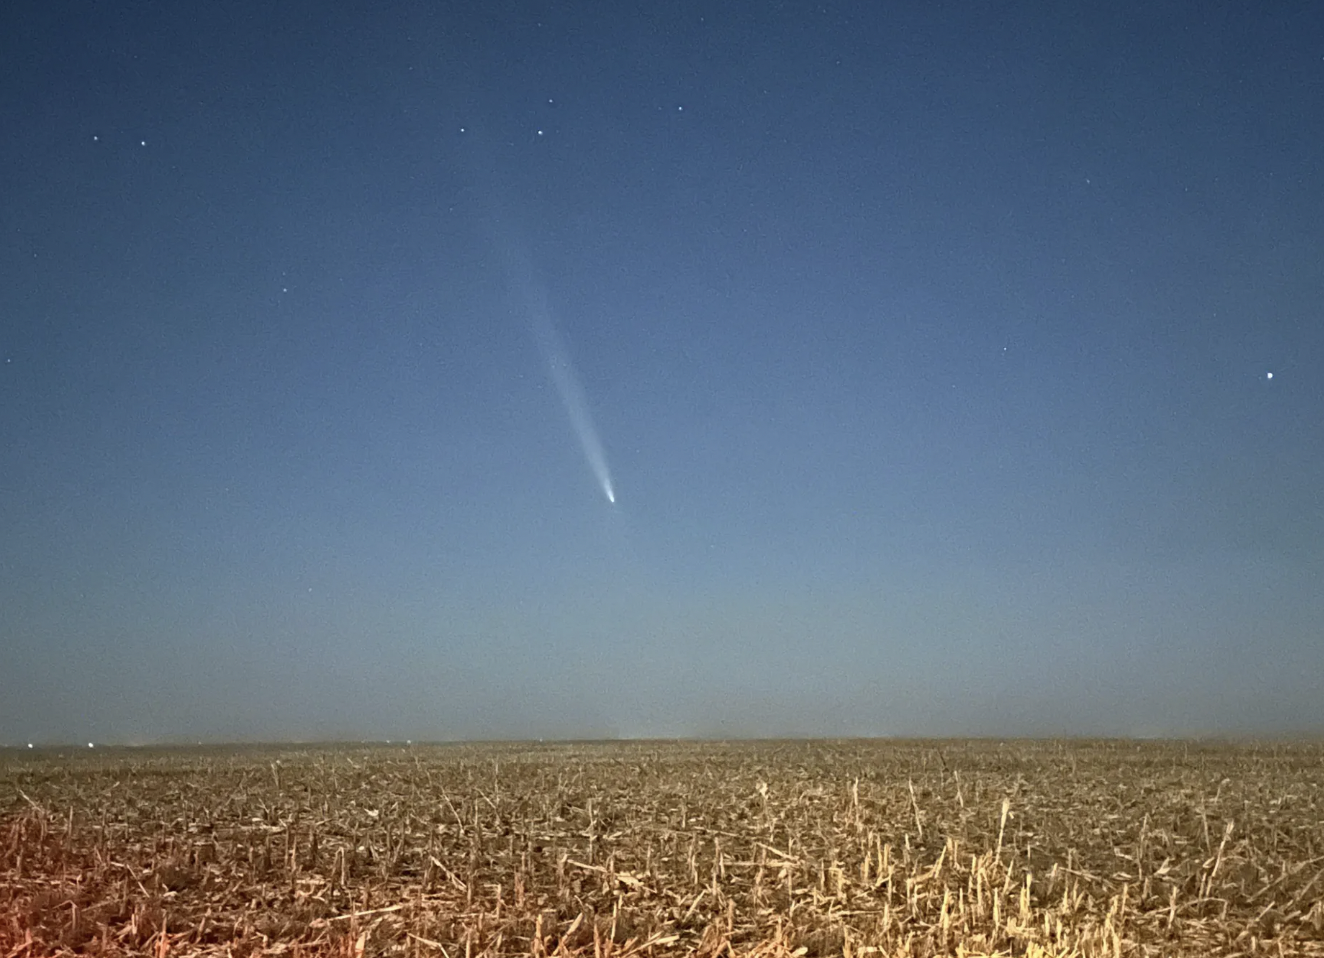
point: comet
(560, 367)
(523, 278)
(562, 372)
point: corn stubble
(652, 848)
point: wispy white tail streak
(522, 276)
(567, 383)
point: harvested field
(659, 848)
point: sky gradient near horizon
(958, 369)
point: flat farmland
(772, 848)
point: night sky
(955, 367)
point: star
(1268, 375)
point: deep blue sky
(928, 343)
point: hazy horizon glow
(943, 375)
